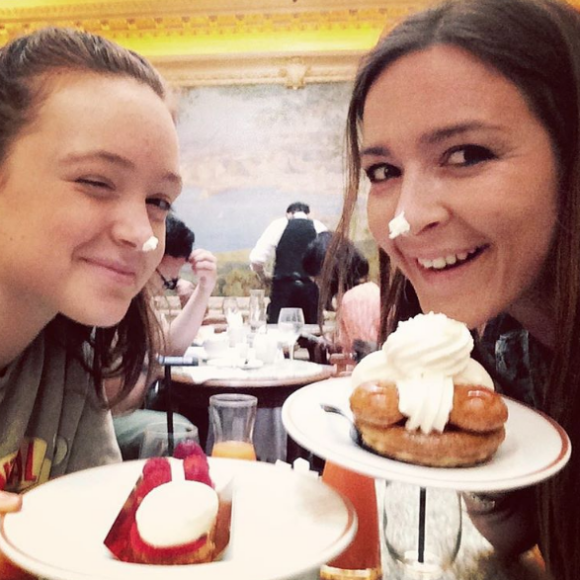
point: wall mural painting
(248, 152)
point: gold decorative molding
(208, 42)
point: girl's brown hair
(27, 64)
(536, 45)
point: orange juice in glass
(232, 417)
(362, 558)
(234, 450)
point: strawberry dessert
(174, 514)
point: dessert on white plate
(422, 398)
(175, 514)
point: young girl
(88, 171)
(466, 121)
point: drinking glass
(158, 442)
(290, 324)
(422, 528)
(232, 417)
(230, 306)
(257, 310)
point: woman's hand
(10, 502)
(204, 266)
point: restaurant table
(272, 384)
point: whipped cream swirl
(425, 357)
(429, 344)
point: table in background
(272, 384)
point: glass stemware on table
(290, 325)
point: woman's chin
(466, 314)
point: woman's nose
(420, 202)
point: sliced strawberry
(187, 449)
(196, 470)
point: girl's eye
(160, 204)
(97, 183)
(468, 155)
(381, 172)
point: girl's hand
(10, 502)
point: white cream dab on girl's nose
(150, 245)
(398, 225)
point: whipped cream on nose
(150, 245)
(398, 226)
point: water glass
(290, 325)
(422, 528)
(232, 417)
(257, 310)
(158, 442)
(230, 307)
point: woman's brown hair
(536, 45)
(27, 66)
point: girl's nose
(133, 228)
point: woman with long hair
(465, 120)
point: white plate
(535, 447)
(284, 524)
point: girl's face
(453, 144)
(86, 184)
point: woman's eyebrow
(376, 150)
(437, 136)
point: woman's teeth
(445, 261)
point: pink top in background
(359, 315)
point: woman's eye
(382, 172)
(468, 155)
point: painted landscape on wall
(247, 152)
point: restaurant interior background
(263, 91)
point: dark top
(291, 247)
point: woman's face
(86, 184)
(453, 144)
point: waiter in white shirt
(285, 240)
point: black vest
(298, 234)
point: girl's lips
(121, 271)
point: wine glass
(290, 324)
(158, 442)
(422, 528)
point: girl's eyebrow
(437, 136)
(103, 155)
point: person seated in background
(285, 241)
(355, 298)
(129, 420)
